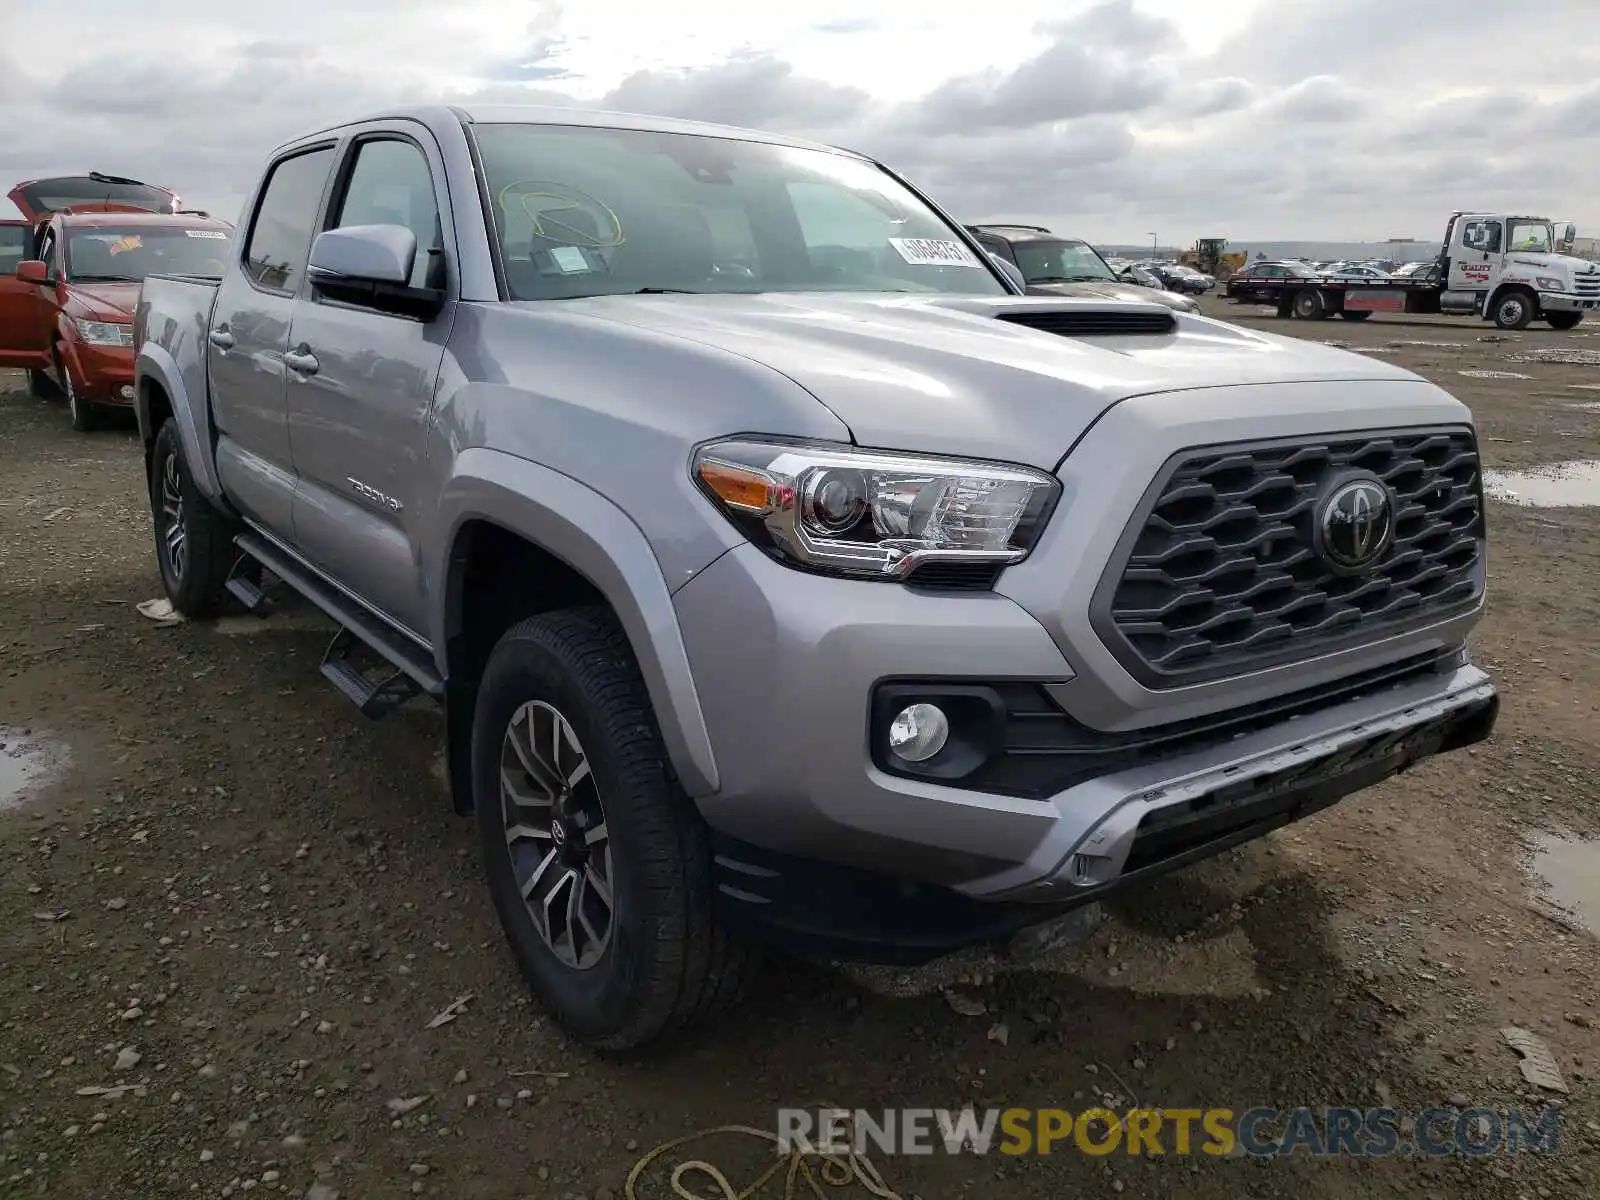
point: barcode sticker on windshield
(934, 252)
(205, 233)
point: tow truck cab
(1510, 269)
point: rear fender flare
(155, 365)
(601, 542)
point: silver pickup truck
(786, 576)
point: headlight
(1549, 283)
(879, 516)
(104, 333)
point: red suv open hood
(39, 198)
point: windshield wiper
(1071, 279)
(105, 279)
(660, 291)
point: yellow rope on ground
(836, 1171)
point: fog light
(126, 391)
(919, 732)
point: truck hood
(943, 375)
(103, 301)
(1564, 264)
(1113, 290)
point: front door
(361, 384)
(18, 346)
(249, 336)
(1475, 253)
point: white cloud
(1105, 118)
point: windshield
(591, 211)
(126, 255)
(1060, 262)
(1532, 235)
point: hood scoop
(1096, 323)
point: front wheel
(1513, 310)
(597, 862)
(194, 541)
(82, 412)
(1564, 320)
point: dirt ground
(237, 905)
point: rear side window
(280, 239)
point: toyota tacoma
(786, 576)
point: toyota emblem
(1355, 525)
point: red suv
(66, 305)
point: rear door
(18, 344)
(40, 198)
(361, 384)
(249, 336)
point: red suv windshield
(128, 254)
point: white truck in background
(1507, 269)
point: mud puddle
(1559, 485)
(28, 761)
(1568, 874)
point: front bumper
(103, 374)
(786, 664)
(1568, 302)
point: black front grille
(1067, 323)
(1218, 573)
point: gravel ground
(231, 909)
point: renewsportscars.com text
(1216, 1132)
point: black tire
(1357, 315)
(193, 577)
(666, 963)
(39, 385)
(85, 418)
(1514, 309)
(1309, 305)
(1564, 320)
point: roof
(97, 220)
(438, 116)
(1021, 233)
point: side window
(390, 184)
(280, 240)
(13, 240)
(1482, 235)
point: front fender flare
(597, 539)
(156, 365)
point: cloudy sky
(1111, 119)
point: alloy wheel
(555, 827)
(174, 530)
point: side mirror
(370, 265)
(33, 270)
(1569, 235)
(1010, 272)
(364, 254)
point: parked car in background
(84, 277)
(22, 343)
(785, 572)
(1355, 271)
(1135, 274)
(1052, 265)
(1256, 281)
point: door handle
(221, 338)
(302, 361)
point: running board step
(375, 698)
(244, 585)
(413, 670)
